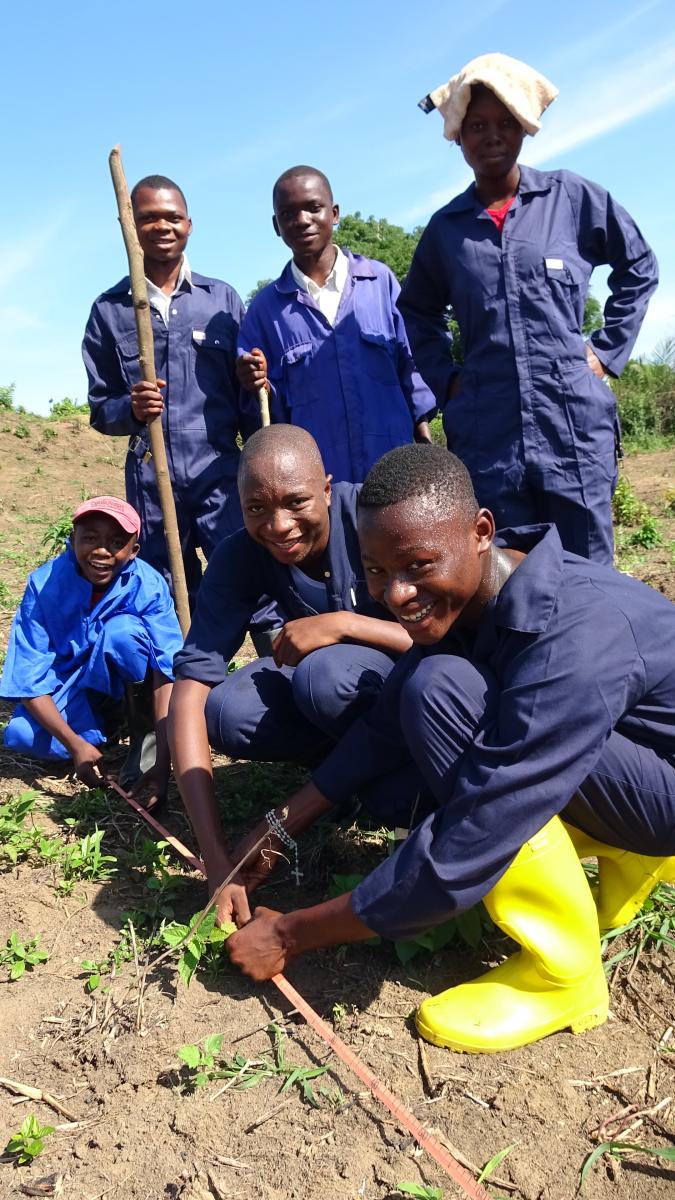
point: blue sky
(223, 97)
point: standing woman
(528, 412)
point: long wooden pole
(146, 358)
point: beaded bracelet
(279, 830)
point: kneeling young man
(333, 649)
(93, 621)
(539, 711)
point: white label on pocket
(555, 264)
(199, 335)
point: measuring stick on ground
(458, 1173)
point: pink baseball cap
(112, 506)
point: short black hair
(413, 471)
(300, 172)
(155, 183)
(279, 438)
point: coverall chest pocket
(300, 372)
(378, 356)
(565, 285)
(213, 362)
(127, 354)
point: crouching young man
(539, 711)
(92, 622)
(334, 644)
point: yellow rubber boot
(554, 982)
(625, 880)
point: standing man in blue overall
(337, 357)
(528, 412)
(195, 324)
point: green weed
(54, 538)
(21, 956)
(648, 533)
(7, 397)
(16, 842)
(654, 925)
(49, 434)
(204, 1065)
(85, 860)
(22, 431)
(626, 507)
(492, 1163)
(617, 1150)
(25, 1145)
(7, 600)
(204, 947)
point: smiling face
(304, 214)
(490, 137)
(162, 224)
(426, 567)
(102, 548)
(285, 504)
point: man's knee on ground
(444, 692)
(126, 643)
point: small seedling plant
(25, 1145)
(204, 1064)
(17, 841)
(654, 925)
(617, 1151)
(21, 956)
(201, 948)
(85, 859)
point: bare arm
(270, 941)
(191, 755)
(86, 757)
(300, 637)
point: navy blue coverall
(561, 702)
(354, 385)
(269, 713)
(204, 410)
(536, 428)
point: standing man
(195, 324)
(337, 357)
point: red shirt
(499, 214)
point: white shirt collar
(326, 297)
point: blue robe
(61, 647)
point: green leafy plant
(22, 431)
(648, 533)
(204, 1065)
(7, 397)
(21, 956)
(654, 924)
(25, 1145)
(626, 507)
(617, 1150)
(86, 860)
(66, 407)
(54, 537)
(16, 842)
(202, 947)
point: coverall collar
(531, 182)
(359, 268)
(528, 598)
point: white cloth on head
(525, 92)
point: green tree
(390, 244)
(7, 397)
(593, 315)
(262, 283)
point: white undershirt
(159, 300)
(326, 298)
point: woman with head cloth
(528, 412)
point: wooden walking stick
(146, 358)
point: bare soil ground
(139, 1131)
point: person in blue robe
(93, 620)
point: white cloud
(19, 256)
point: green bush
(7, 397)
(66, 407)
(645, 396)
